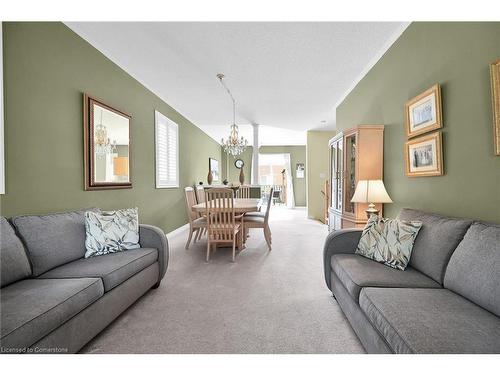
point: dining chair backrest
(269, 199)
(243, 192)
(220, 214)
(200, 193)
(190, 202)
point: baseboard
(178, 230)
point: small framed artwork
(423, 112)
(495, 104)
(300, 170)
(424, 156)
(213, 164)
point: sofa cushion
(388, 241)
(474, 267)
(111, 231)
(113, 268)
(14, 264)
(32, 308)
(357, 272)
(430, 321)
(435, 242)
(52, 240)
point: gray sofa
(53, 300)
(446, 301)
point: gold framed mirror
(106, 146)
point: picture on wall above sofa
(423, 112)
(424, 156)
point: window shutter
(167, 152)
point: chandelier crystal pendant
(234, 145)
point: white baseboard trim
(178, 230)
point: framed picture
(424, 156)
(213, 164)
(423, 112)
(300, 170)
(495, 104)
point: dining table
(241, 207)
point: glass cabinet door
(350, 172)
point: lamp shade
(120, 166)
(371, 191)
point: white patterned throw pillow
(111, 231)
(388, 241)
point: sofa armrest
(344, 241)
(154, 237)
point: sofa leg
(156, 285)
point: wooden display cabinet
(355, 154)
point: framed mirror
(106, 146)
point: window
(167, 152)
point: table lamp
(371, 192)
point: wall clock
(239, 163)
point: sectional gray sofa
(446, 301)
(53, 300)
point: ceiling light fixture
(235, 144)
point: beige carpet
(266, 302)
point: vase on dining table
(242, 177)
(210, 177)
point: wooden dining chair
(196, 223)
(260, 220)
(243, 192)
(200, 193)
(223, 227)
(200, 198)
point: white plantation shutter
(167, 152)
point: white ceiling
(287, 77)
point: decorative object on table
(225, 182)
(388, 241)
(111, 231)
(213, 166)
(235, 144)
(495, 103)
(200, 183)
(238, 163)
(241, 178)
(106, 146)
(300, 171)
(371, 192)
(210, 177)
(424, 156)
(423, 112)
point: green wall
(47, 67)
(317, 171)
(297, 155)
(457, 56)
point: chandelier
(102, 143)
(234, 145)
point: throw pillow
(388, 241)
(111, 231)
